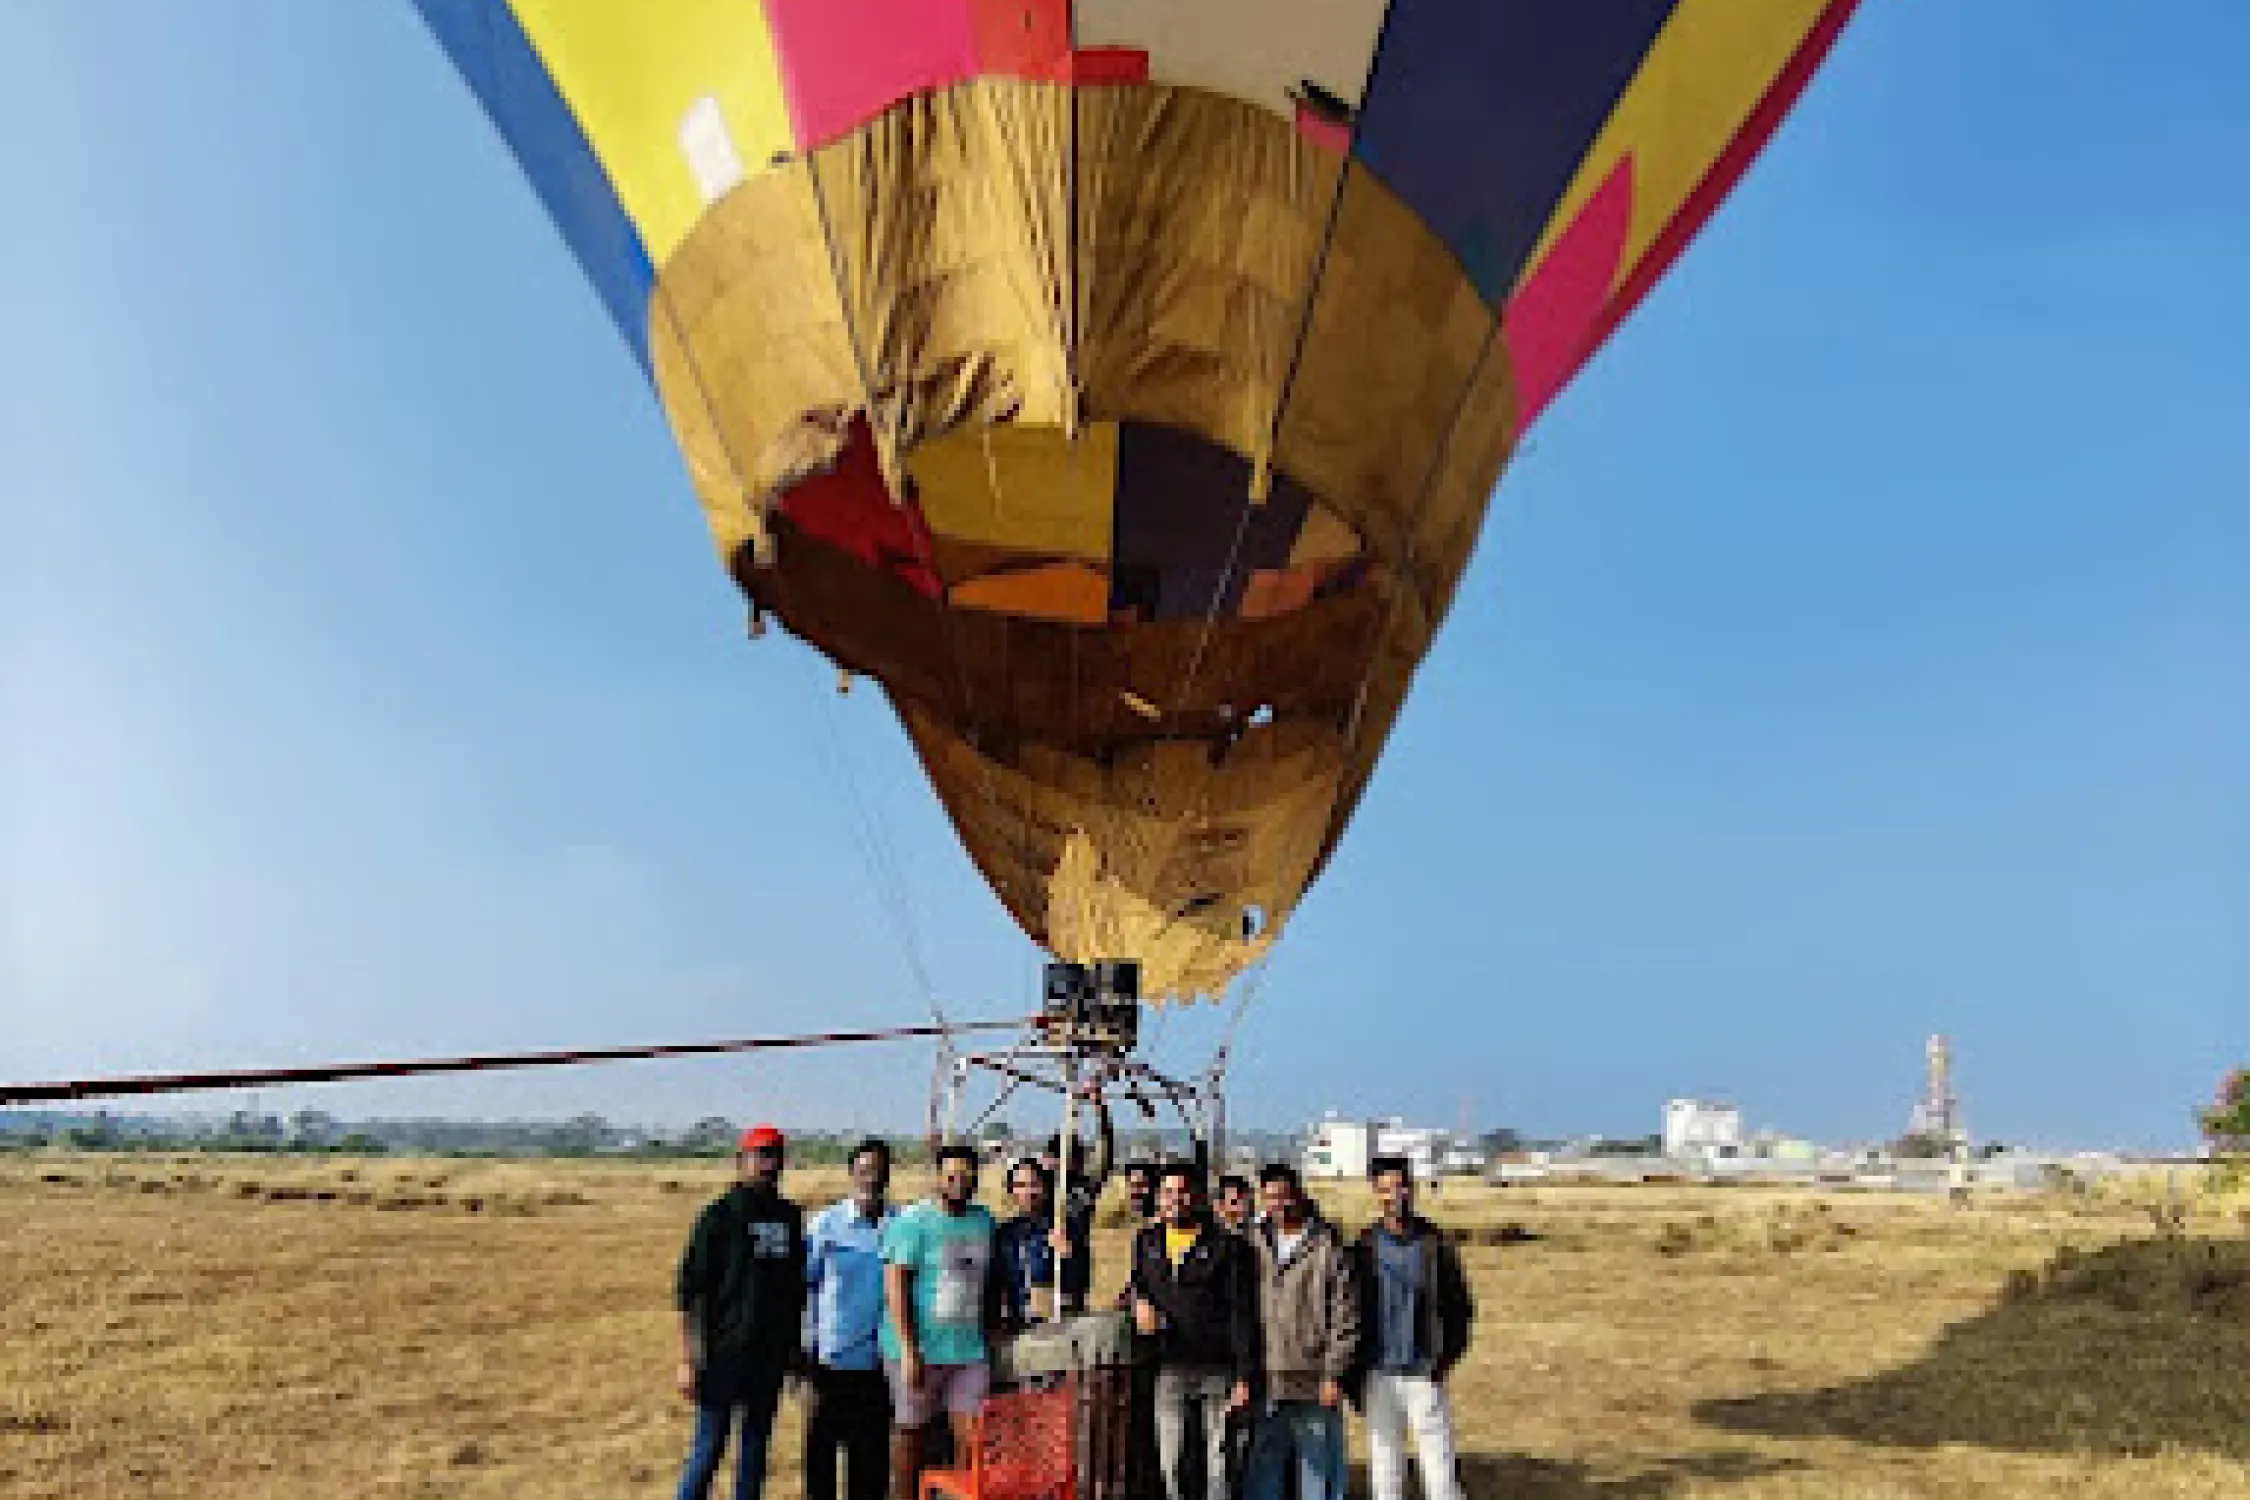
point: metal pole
(1064, 1150)
(953, 1099)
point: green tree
(581, 1135)
(2226, 1123)
(1922, 1146)
(713, 1135)
(312, 1130)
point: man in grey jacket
(1309, 1316)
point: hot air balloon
(1120, 384)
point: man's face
(1138, 1192)
(871, 1177)
(1027, 1191)
(762, 1167)
(956, 1181)
(1234, 1206)
(1177, 1201)
(1395, 1191)
(1281, 1204)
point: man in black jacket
(1195, 1290)
(741, 1297)
(1415, 1310)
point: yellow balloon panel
(677, 112)
(1029, 489)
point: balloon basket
(1108, 1373)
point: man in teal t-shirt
(941, 1290)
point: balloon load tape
(1095, 1007)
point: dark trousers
(848, 1417)
(1145, 1471)
(724, 1390)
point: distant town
(1703, 1140)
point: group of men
(1263, 1322)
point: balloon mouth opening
(1120, 524)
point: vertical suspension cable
(662, 300)
(983, 780)
(868, 833)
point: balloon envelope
(1121, 383)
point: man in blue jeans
(1309, 1325)
(741, 1295)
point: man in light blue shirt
(849, 1415)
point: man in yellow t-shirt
(1194, 1290)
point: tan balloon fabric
(1394, 338)
(1130, 790)
(1200, 221)
(751, 353)
(948, 219)
(1164, 852)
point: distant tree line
(314, 1132)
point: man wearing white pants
(1416, 1312)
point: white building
(1699, 1128)
(1339, 1148)
(1769, 1145)
(1423, 1146)
(1342, 1149)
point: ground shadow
(1516, 1476)
(1520, 1476)
(2123, 1350)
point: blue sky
(1860, 649)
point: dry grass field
(254, 1329)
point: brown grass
(263, 1329)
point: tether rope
(180, 1083)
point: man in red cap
(742, 1303)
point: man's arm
(1359, 1272)
(1456, 1306)
(690, 1287)
(1002, 1278)
(816, 1256)
(796, 1291)
(1245, 1335)
(1148, 1282)
(1143, 1280)
(1077, 1268)
(1000, 1291)
(898, 1298)
(1344, 1326)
